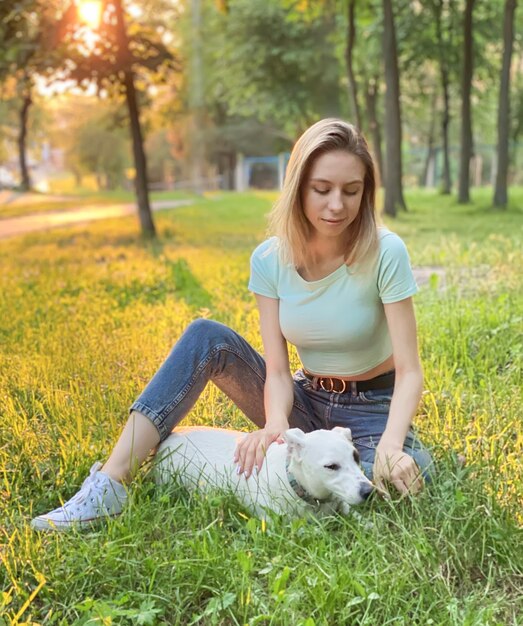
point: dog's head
(326, 464)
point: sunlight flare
(90, 12)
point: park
(142, 146)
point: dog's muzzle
(365, 490)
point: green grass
(86, 316)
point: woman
(334, 285)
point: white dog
(316, 471)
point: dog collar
(300, 490)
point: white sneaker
(100, 496)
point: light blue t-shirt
(338, 323)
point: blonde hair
(287, 219)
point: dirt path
(42, 221)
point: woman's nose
(335, 201)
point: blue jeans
(208, 350)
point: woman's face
(332, 192)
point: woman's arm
(278, 391)
(391, 463)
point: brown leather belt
(338, 385)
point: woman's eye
(351, 193)
(334, 467)
(322, 192)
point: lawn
(86, 316)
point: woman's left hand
(393, 466)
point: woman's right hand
(251, 450)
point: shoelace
(85, 490)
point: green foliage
(273, 61)
(22, 57)
(269, 69)
(26, 52)
(76, 353)
(18, 34)
(102, 149)
(367, 51)
(102, 55)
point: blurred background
(211, 94)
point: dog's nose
(365, 490)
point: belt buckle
(331, 386)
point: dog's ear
(346, 432)
(295, 439)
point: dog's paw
(367, 524)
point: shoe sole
(42, 524)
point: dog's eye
(356, 455)
(333, 466)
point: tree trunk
(25, 182)
(393, 170)
(197, 100)
(466, 119)
(500, 192)
(444, 76)
(77, 176)
(423, 180)
(353, 87)
(445, 121)
(371, 96)
(140, 163)
(226, 168)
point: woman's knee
(424, 461)
(367, 468)
(208, 331)
(202, 327)
(421, 456)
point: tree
(393, 170)
(517, 123)
(366, 62)
(443, 44)
(429, 63)
(140, 162)
(500, 191)
(19, 59)
(270, 69)
(113, 59)
(98, 143)
(271, 60)
(349, 48)
(466, 115)
(371, 100)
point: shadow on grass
(179, 281)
